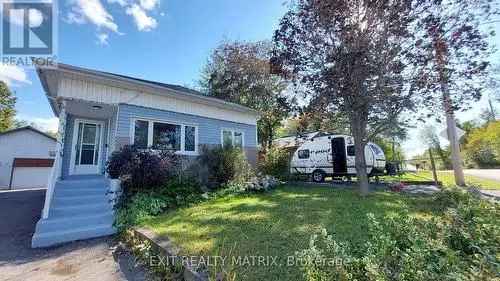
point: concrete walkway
(94, 259)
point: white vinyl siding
(103, 93)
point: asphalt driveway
(96, 259)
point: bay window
(165, 136)
(232, 138)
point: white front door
(87, 143)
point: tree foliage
(239, 72)
(373, 60)
(451, 51)
(7, 111)
(483, 145)
(348, 57)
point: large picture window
(165, 136)
(232, 138)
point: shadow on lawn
(278, 223)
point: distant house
(99, 112)
(26, 157)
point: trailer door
(339, 156)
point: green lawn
(447, 179)
(278, 223)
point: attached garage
(26, 158)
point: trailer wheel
(318, 176)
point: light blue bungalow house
(98, 113)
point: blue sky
(170, 44)
(162, 40)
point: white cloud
(13, 75)
(91, 11)
(43, 124)
(102, 38)
(142, 20)
(35, 17)
(149, 4)
(122, 3)
(94, 12)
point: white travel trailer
(333, 155)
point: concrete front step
(81, 209)
(68, 201)
(46, 239)
(78, 192)
(65, 223)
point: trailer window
(350, 150)
(303, 154)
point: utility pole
(441, 58)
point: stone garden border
(164, 247)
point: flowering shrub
(142, 169)
(397, 187)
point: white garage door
(30, 177)
(31, 172)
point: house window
(232, 138)
(165, 136)
(303, 154)
(141, 134)
(189, 138)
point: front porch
(87, 137)
(77, 204)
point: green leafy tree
(239, 72)
(7, 111)
(349, 58)
(483, 145)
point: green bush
(141, 206)
(275, 163)
(175, 193)
(182, 191)
(461, 245)
(224, 165)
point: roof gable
(29, 128)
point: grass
(278, 224)
(447, 178)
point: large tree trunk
(358, 128)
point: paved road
(94, 259)
(491, 174)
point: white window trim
(232, 135)
(183, 132)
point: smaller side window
(350, 150)
(303, 154)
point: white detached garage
(26, 158)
